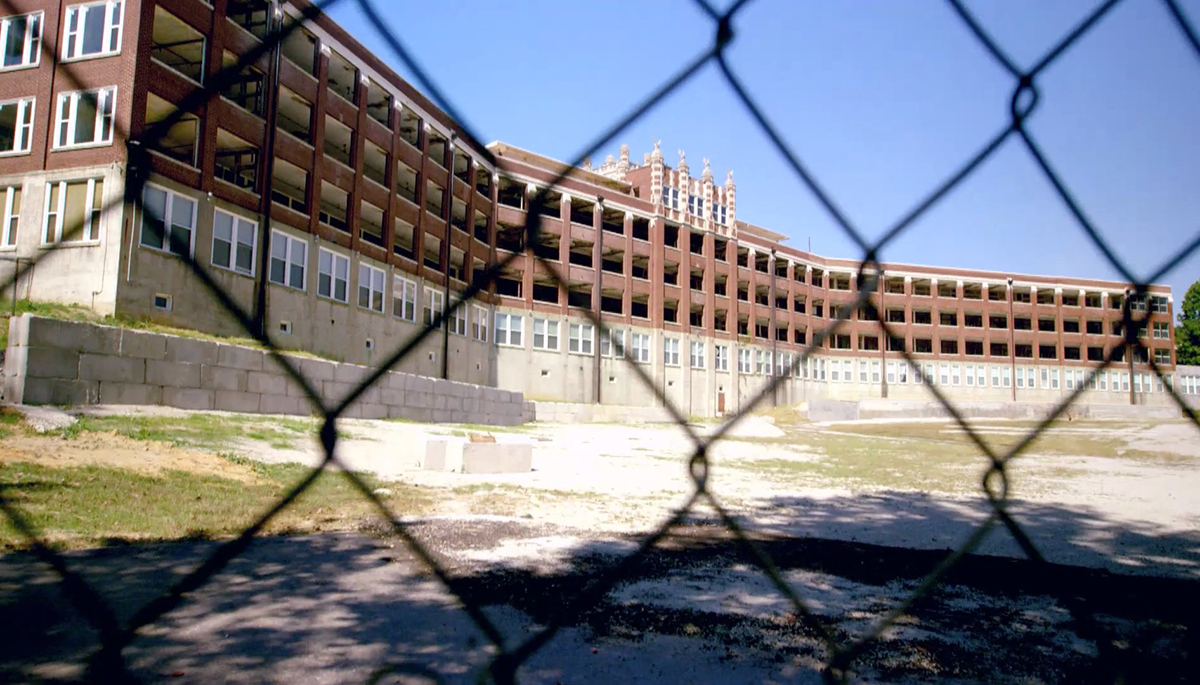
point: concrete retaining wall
(875, 408)
(572, 412)
(61, 362)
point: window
(16, 126)
(762, 365)
(697, 356)
(721, 357)
(404, 299)
(1161, 330)
(93, 30)
(580, 337)
(671, 351)
(10, 198)
(479, 326)
(744, 361)
(21, 37)
(1159, 304)
(434, 302)
(640, 344)
(333, 273)
(233, 242)
(458, 321)
(370, 288)
(168, 221)
(545, 334)
(289, 259)
(509, 328)
(612, 343)
(84, 117)
(1162, 356)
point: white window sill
(161, 251)
(235, 272)
(330, 299)
(69, 244)
(289, 287)
(19, 67)
(84, 58)
(15, 153)
(8, 248)
(81, 146)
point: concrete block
(129, 393)
(59, 391)
(266, 383)
(459, 417)
(420, 414)
(397, 381)
(282, 404)
(103, 367)
(441, 387)
(71, 335)
(188, 350)
(15, 358)
(18, 331)
(317, 370)
(438, 454)
(419, 400)
(231, 400)
(174, 374)
(391, 397)
(215, 377)
(497, 457)
(335, 391)
(188, 398)
(143, 345)
(439, 402)
(49, 362)
(294, 389)
(453, 404)
(235, 357)
(350, 373)
(371, 410)
(420, 384)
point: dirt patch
(115, 451)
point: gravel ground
(1119, 597)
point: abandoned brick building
(373, 209)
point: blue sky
(880, 99)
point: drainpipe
(1129, 348)
(884, 338)
(448, 213)
(270, 114)
(774, 336)
(598, 267)
(1012, 341)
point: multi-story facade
(373, 209)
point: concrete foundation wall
(575, 412)
(58, 362)
(875, 408)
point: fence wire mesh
(116, 635)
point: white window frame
(337, 262)
(479, 326)
(432, 304)
(236, 224)
(639, 344)
(32, 44)
(969, 375)
(67, 111)
(23, 134)
(9, 230)
(835, 372)
(52, 224)
(291, 245)
(696, 354)
(721, 357)
(548, 332)
(510, 330)
(581, 338)
(607, 339)
(375, 286)
(1161, 330)
(112, 30)
(759, 363)
(458, 321)
(745, 361)
(671, 351)
(404, 293)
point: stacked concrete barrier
(876, 408)
(68, 363)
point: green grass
(73, 312)
(10, 421)
(92, 505)
(211, 432)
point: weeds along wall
(50, 361)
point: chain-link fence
(115, 635)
